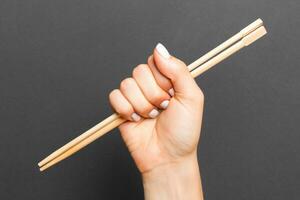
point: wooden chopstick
(245, 31)
(79, 139)
(248, 35)
(84, 143)
(246, 41)
(254, 25)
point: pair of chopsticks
(243, 38)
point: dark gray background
(60, 58)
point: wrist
(177, 180)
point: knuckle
(135, 72)
(142, 66)
(149, 60)
(125, 83)
(139, 69)
(113, 93)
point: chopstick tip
(260, 21)
(43, 168)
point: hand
(163, 106)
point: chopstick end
(255, 35)
(252, 27)
(43, 168)
(40, 164)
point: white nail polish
(164, 104)
(154, 113)
(162, 50)
(171, 92)
(135, 117)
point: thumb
(174, 69)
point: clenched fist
(163, 106)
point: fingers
(149, 89)
(174, 69)
(122, 106)
(147, 83)
(136, 98)
(140, 96)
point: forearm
(174, 181)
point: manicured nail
(135, 117)
(154, 113)
(164, 104)
(171, 92)
(162, 50)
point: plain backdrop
(59, 59)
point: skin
(164, 147)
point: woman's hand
(163, 106)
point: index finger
(161, 80)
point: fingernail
(162, 50)
(135, 117)
(164, 104)
(154, 113)
(171, 92)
